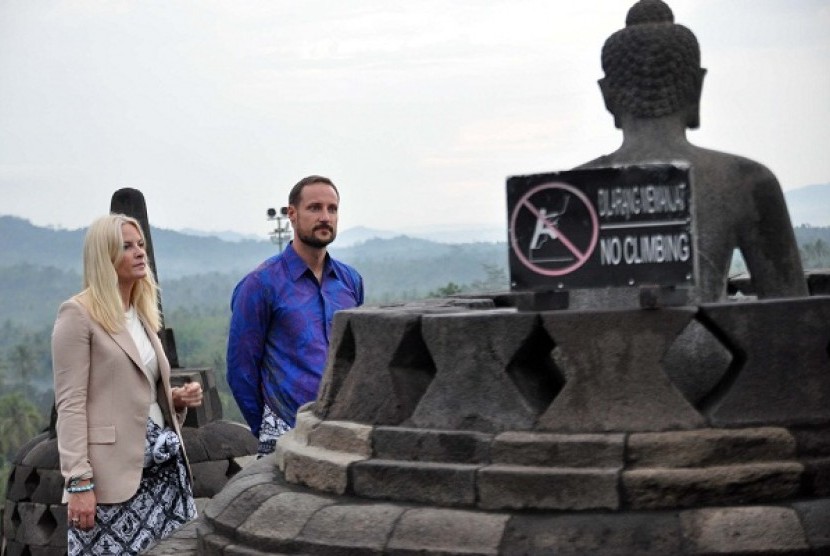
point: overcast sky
(418, 110)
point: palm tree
(20, 421)
(23, 360)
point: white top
(148, 357)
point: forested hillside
(40, 267)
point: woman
(126, 474)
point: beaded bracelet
(72, 489)
(73, 481)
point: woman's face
(133, 264)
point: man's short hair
(296, 191)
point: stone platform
(463, 428)
(260, 512)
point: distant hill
(40, 267)
(177, 254)
(224, 235)
(353, 236)
(809, 205)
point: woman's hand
(189, 395)
(80, 510)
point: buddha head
(652, 66)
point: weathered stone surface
(443, 484)
(342, 436)
(225, 440)
(22, 483)
(814, 453)
(258, 466)
(43, 454)
(11, 519)
(49, 487)
(412, 444)
(816, 480)
(735, 484)
(616, 382)
(194, 446)
(595, 534)
(380, 369)
(350, 529)
(306, 420)
(709, 447)
(815, 518)
(211, 544)
(558, 488)
(243, 506)
(818, 281)
(558, 450)
(472, 389)
(318, 468)
(812, 441)
(260, 473)
(743, 530)
(47, 551)
(37, 524)
(279, 520)
(447, 531)
(785, 378)
(209, 477)
(696, 362)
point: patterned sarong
(164, 502)
(271, 429)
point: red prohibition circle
(581, 257)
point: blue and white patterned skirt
(271, 429)
(164, 502)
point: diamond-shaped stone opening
(31, 483)
(10, 480)
(411, 369)
(534, 371)
(16, 489)
(341, 365)
(233, 468)
(701, 363)
(47, 523)
(15, 517)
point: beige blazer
(103, 401)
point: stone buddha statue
(652, 86)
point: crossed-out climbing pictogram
(550, 205)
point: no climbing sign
(625, 226)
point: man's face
(314, 217)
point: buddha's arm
(767, 241)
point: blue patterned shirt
(279, 332)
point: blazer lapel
(125, 342)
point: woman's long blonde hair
(103, 250)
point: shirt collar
(297, 266)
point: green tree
(22, 361)
(20, 421)
(445, 291)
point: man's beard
(313, 241)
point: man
(282, 313)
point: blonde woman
(127, 481)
